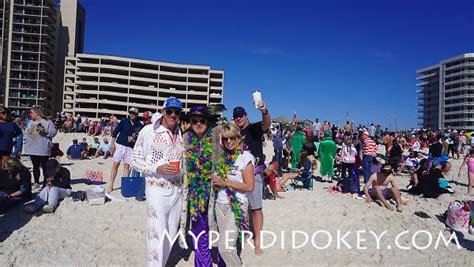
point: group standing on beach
(222, 170)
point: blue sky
(318, 58)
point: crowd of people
(204, 173)
(345, 153)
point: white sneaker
(48, 209)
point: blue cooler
(131, 184)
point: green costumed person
(326, 153)
(297, 141)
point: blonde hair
(230, 130)
(40, 112)
(15, 164)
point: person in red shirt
(271, 173)
(369, 150)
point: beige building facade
(100, 85)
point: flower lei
(224, 163)
(199, 166)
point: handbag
(131, 184)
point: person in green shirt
(326, 153)
(297, 141)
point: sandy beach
(114, 234)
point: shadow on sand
(12, 220)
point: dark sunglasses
(201, 121)
(225, 139)
(171, 111)
(239, 116)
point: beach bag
(131, 184)
(457, 216)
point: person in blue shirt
(18, 147)
(123, 141)
(8, 132)
(104, 149)
(75, 151)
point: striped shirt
(369, 148)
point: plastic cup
(257, 97)
(176, 164)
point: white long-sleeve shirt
(155, 147)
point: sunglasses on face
(238, 117)
(201, 121)
(227, 139)
(171, 111)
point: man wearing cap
(252, 134)
(369, 150)
(158, 155)
(123, 140)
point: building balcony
(422, 84)
(220, 88)
(467, 64)
(458, 120)
(176, 74)
(196, 101)
(466, 72)
(172, 91)
(465, 80)
(215, 95)
(460, 88)
(426, 76)
(194, 92)
(459, 96)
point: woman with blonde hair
(15, 184)
(38, 141)
(233, 177)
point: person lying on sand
(379, 182)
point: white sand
(113, 234)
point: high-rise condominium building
(446, 97)
(31, 52)
(99, 85)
